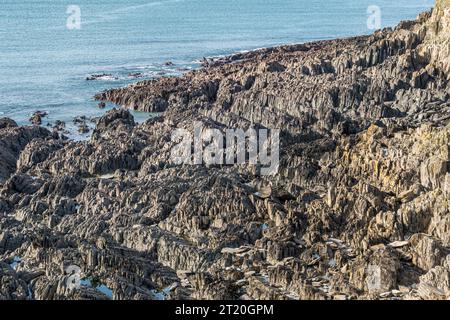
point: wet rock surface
(359, 208)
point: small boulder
(36, 118)
(7, 123)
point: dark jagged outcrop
(13, 140)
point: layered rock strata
(359, 208)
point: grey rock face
(359, 207)
(7, 123)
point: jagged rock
(7, 123)
(435, 284)
(359, 207)
(83, 128)
(115, 118)
(107, 76)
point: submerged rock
(103, 76)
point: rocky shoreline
(358, 210)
